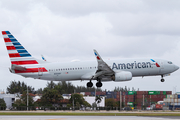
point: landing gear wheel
(162, 80)
(89, 84)
(98, 84)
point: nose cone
(176, 67)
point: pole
(120, 97)
(95, 97)
(27, 98)
(73, 99)
(150, 99)
(173, 101)
(143, 101)
(124, 100)
(173, 97)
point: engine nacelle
(122, 76)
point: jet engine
(122, 76)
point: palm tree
(98, 99)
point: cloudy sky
(64, 30)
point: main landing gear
(98, 84)
(162, 80)
(89, 84)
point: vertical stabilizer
(17, 53)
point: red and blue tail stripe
(17, 53)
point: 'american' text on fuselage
(132, 65)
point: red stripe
(24, 62)
(10, 48)
(157, 65)
(31, 70)
(7, 40)
(14, 55)
(98, 58)
(4, 32)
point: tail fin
(17, 53)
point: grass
(89, 114)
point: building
(91, 100)
(9, 99)
(172, 102)
(136, 99)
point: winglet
(98, 57)
(43, 58)
(102, 66)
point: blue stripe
(13, 40)
(17, 43)
(95, 53)
(152, 60)
(10, 36)
(7, 32)
(19, 47)
(25, 55)
(43, 58)
(22, 51)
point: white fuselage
(84, 70)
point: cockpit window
(169, 62)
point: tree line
(62, 86)
(51, 95)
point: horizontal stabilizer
(17, 67)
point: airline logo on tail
(17, 53)
(19, 56)
(96, 56)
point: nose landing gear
(162, 80)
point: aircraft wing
(103, 68)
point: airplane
(22, 63)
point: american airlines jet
(22, 63)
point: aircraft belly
(144, 72)
(67, 76)
(45, 76)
